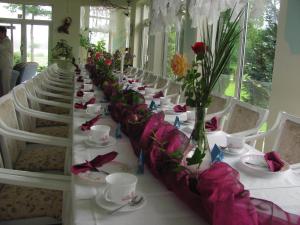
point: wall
(286, 77)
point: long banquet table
(162, 206)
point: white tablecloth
(163, 207)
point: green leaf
(176, 155)
(197, 157)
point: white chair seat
(57, 131)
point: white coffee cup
(87, 81)
(149, 91)
(93, 108)
(235, 142)
(165, 101)
(99, 133)
(87, 87)
(190, 115)
(87, 96)
(120, 187)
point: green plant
(99, 47)
(17, 58)
(62, 49)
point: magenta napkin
(274, 161)
(158, 94)
(83, 106)
(87, 125)
(99, 161)
(212, 125)
(179, 108)
(142, 88)
(79, 93)
(80, 79)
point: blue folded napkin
(177, 122)
(216, 154)
(152, 106)
(141, 163)
(118, 133)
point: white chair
(33, 198)
(240, 118)
(39, 103)
(49, 154)
(133, 72)
(173, 91)
(286, 131)
(150, 79)
(37, 121)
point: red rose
(108, 62)
(199, 49)
(97, 55)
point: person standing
(6, 60)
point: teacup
(99, 133)
(190, 115)
(120, 187)
(87, 81)
(165, 101)
(149, 91)
(235, 142)
(93, 108)
(87, 96)
(87, 87)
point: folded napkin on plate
(158, 94)
(99, 161)
(79, 93)
(83, 106)
(80, 79)
(274, 161)
(87, 125)
(212, 125)
(142, 88)
(179, 108)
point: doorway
(28, 27)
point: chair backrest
(218, 103)
(29, 71)
(150, 79)
(287, 140)
(173, 91)
(26, 122)
(243, 117)
(161, 82)
(30, 88)
(10, 147)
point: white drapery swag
(166, 13)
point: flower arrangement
(211, 58)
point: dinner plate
(99, 177)
(110, 206)
(110, 142)
(171, 112)
(257, 165)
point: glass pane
(171, 50)
(98, 36)
(260, 52)
(146, 12)
(99, 24)
(14, 34)
(145, 47)
(38, 12)
(99, 12)
(13, 11)
(227, 81)
(37, 44)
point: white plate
(100, 201)
(111, 167)
(234, 151)
(257, 165)
(110, 142)
(171, 112)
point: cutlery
(134, 201)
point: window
(259, 56)
(11, 11)
(35, 12)
(96, 20)
(171, 50)
(145, 36)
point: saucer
(99, 177)
(110, 206)
(231, 151)
(103, 144)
